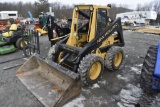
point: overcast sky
(130, 3)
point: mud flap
(52, 84)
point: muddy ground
(114, 89)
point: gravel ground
(114, 89)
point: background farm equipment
(11, 39)
(41, 25)
(3, 28)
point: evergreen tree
(41, 6)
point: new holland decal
(108, 32)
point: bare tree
(139, 7)
(156, 6)
(118, 9)
(62, 10)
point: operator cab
(87, 22)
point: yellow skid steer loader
(78, 59)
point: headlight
(91, 8)
(76, 8)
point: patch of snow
(78, 102)
(158, 98)
(136, 90)
(25, 59)
(123, 78)
(119, 104)
(99, 100)
(129, 105)
(102, 82)
(126, 66)
(126, 55)
(126, 96)
(136, 70)
(129, 96)
(139, 65)
(40, 98)
(153, 34)
(86, 90)
(50, 93)
(148, 34)
(95, 86)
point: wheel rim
(95, 70)
(21, 43)
(118, 59)
(59, 57)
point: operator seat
(10, 32)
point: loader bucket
(52, 84)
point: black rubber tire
(18, 43)
(50, 53)
(85, 66)
(109, 58)
(28, 50)
(148, 70)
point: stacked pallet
(144, 29)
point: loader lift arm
(59, 31)
(100, 38)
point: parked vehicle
(8, 14)
(143, 17)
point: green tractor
(41, 26)
(11, 39)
